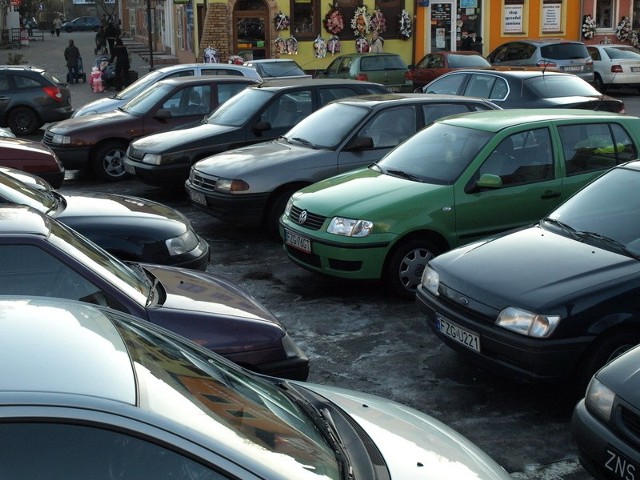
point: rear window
(280, 69)
(623, 52)
(564, 51)
(382, 62)
(467, 61)
(563, 86)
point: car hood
(97, 106)
(413, 444)
(503, 270)
(174, 140)
(96, 121)
(16, 147)
(623, 376)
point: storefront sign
(551, 17)
(513, 22)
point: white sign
(551, 16)
(513, 19)
(440, 38)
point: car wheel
(23, 121)
(275, 209)
(598, 83)
(108, 163)
(404, 266)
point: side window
(500, 89)
(480, 86)
(436, 61)
(220, 71)
(4, 82)
(334, 66)
(305, 18)
(79, 452)
(333, 93)
(524, 157)
(288, 109)
(594, 52)
(449, 84)
(185, 73)
(435, 111)
(391, 127)
(593, 147)
(345, 66)
(25, 82)
(187, 101)
(228, 90)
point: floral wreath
(362, 45)
(333, 45)
(634, 39)
(281, 21)
(320, 47)
(334, 21)
(378, 22)
(588, 27)
(361, 22)
(292, 46)
(405, 25)
(623, 30)
(281, 45)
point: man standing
(57, 25)
(72, 56)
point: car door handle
(551, 194)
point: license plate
(197, 197)
(130, 169)
(635, 69)
(456, 332)
(297, 241)
(572, 69)
(620, 466)
(393, 89)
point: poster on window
(551, 15)
(513, 19)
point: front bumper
(172, 175)
(74, 157)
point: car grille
(202, 181)
(310, 220)
(631, 423)
(47, 139)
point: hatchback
(31, 97)
(434, 64)
(388, 69)
(33, 157)
(98, 142)
(615, 66)
(458, 180)
(550, 55)
(82, 24)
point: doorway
(442, 26)
(251, 30)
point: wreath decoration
(334, 21)
(320, 47)
(361, 22)
(405, 25)
(362, 45)
(634, 38)
(281, 22)
(588, 27)
(378, 22)
(281, 45)
(292, 46)
(623, 30)
(333, 45)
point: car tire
(598, 83)
(275, 209)
(23, 121)
(404, 265)
(108, 163)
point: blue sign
(468, 3)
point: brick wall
(216, 31)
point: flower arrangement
(623, 30)
(333, 45)
(405, 25)
(378, 22)
(334, 21)
(362, 45)
(361, 22)
(588, 27)
(634, 38)
(281, 22)
(292, 46)
(281, 45)
(319, 47)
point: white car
(615, 66)
(181, 70)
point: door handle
(551, 194)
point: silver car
(615, 66)
(88, 392)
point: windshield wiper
(403, 174)
(609, 242)
(303, 141)
(563, 226)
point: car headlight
(430, 280)
(61, 139)
(182, 244)
(152, 159)
(287, 209)
(527, 323)
(226, 185)
(349, 227)
(599, 399)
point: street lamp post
(149, 31)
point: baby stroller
(108, 70)
(80, 74)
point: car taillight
(590, 61)
(53, 92)
(546, 63)
(616, 68)
(362, 76)
(408, 75)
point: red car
(435, 64)
(33, 157)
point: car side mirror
(261, 127)
(489, 180)
(360, 143)
(162, 114)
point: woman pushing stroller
(121, 56)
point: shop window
(606, 14)
(348, 8)
(551, 19)
(305, 19)
(391, 9)
(636, 14)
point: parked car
(554, 301)
(30, 97)
(33, 157)
(553, 55)
(130, 400)
(604, 423)
(118, 99)
(434, 64)
(388, 69)
(456, 181)
(99, 141)
(130, 228)
(82, 24)
(277, 68)
(42, 257)
(262, 112)
(525, 89)
(6, 132)
(615, 66)
(251, 185)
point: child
(95, 80)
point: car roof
(543, 42)
(23, 68)
(23, 220)
(298, 82)
(207, 79)
(179, 67)
(508, 73)
(269, 60)
(400, 98)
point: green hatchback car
(460, 179)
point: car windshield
(136, 87)
(14, 191)
(327, 127)
(222, 402)
(142, 103)
(547, 86)
(438, 154)
(622, 52)
(605, 213)
(564, 51)
(239, 108)
(467, 61)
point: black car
(260, 113)
(525, 89)
(130, 228)
(82, 24)
(42, 257)
(30, 97)
(554, 301)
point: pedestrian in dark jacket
(72, 56)
(121, 56)
(111, 34)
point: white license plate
(130, 169)
(572, 69)
(297, 241)
(197, 197)
(393, 89)
(635, 69)
(456, 332)
(620, 466)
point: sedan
(251, 185)
(99, 141)
(550, 302)
(33, 157)
(615, 66)
(605, 422)
(435, 64)
(113, 397)
(458, 180)
(525, 89)
(42, 257)
(129, 228)
(82, 24)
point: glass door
(251, 30)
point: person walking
(72, 56)
(121, 56)
(57, 25)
